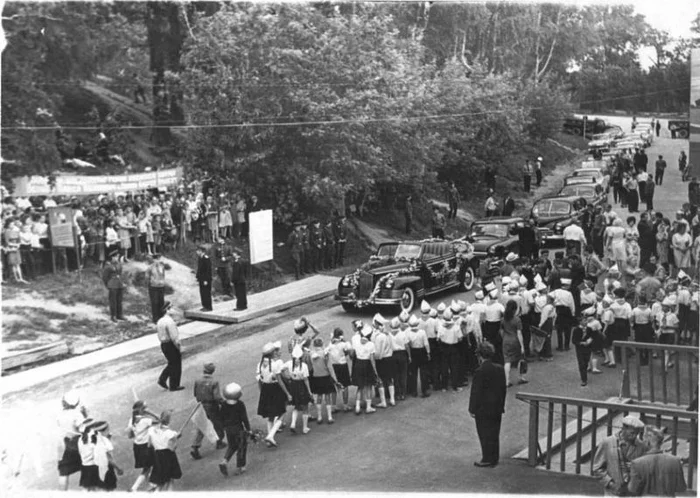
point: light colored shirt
(418, 339)
(547, 312)
(621, 309)
(449, 333)
(494, 312)
(267, 370)
(563, 297)
(540, 302)
(301, 371)
(69, 420)
(641, 316)
(141, 429)
(667, 322)
(338, 351)
(366, 350)
(574, 232)
(162, 437)
(430, 326)
(399, 340)
(384, 347)
(167, 330)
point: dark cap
(209, 368)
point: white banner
(261, 236)
(84, 185)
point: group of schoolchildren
(517, 310)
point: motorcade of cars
(592, 192)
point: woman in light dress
(662, 241)
(681, 243)
(615, 244)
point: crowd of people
(155, 221)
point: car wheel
(349, 307)
(408, 299)
(468, 279)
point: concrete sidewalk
(280, 298)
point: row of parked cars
(404, 272)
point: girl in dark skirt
(70, 421)
(138, 428)
(166, 466)
(338, 352)
(99, 470)
(323, 381)
(300, 389)
(274, 394)
(364, 370)
(607, 320)
(420, 356)
(622, 312)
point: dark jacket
(224, 256)
(508, 206)
(204, 269)
(488, 396)
(112, 276)
(239, 270)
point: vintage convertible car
(401, 273)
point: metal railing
(646, 379)
(551, 407)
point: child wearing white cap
(428, 323)
(420, 356)
(364, 369)
(666, 324)
(401, 353)
(274, 394)
(299, 389)
(69, 421)
(386, 366)
(493, 315)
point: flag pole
(187, 421)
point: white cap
(395, 323)
(616, 284)
(433, 313)
(479, 295)
(505, 281)
(447, 316)
(667, 302)
(634, 422)
(300, 325)
(540, 287)
(607, 299)
(462, 305)
(590, 311)
(613, 269)
(413, 322)
(539, 158)
(424, 307)
(513, 286)
(493, 294)
(378, 318)
(522, 280)
(441, 308)
(511, 257)
(490, 286)
(297, 352)
(366, 331)
(268, 348)
(565, 281)
(71, 398)
(277, 344)
(404, 316)
(232, 391)
(682, 275)
(538, 279)
(455, 307)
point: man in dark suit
(204, 278)
(487, 403)
(112, 277)
(508, 205)
(224, 256)
(238, 274)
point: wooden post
(678, 379)
(550, 428)
(594, 434)
(579, 423)
(639, 373)
(625, 388)
(664, 384)
(693, 453)
(651, 378)
(562, 444)
(533, 434)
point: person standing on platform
(204, 278)
(538, 171)
(112, 277)
(487, 404)
(169, 338)
(660, 169)
(316, 246)
(614, 455)
(340, 234)
(328, 245)
(155, 279)
(656, 473)
(296, 248)
(224, 255)
(239, 270)
(527, 176)
(208, 393)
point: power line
(315, 122)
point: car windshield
(398, 251)
(551, 208)
(586, 172)
(578, 191)
(498, 230)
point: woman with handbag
(513, 346)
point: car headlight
(491, 250)
(558, 227)
(389, 284)
(346, 282)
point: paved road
(420, 445)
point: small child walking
(322, 381)
(138, 430)
(338, 351)
(166, 466)
(234, 416)
(300, 389)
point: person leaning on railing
(614, 455)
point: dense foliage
(307, 104)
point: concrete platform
(270, 301)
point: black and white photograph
(350, 247)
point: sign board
(261, 236)
(61, 226)
(84, 185)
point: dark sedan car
(553, 214)
(593, 193)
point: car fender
(413, 281)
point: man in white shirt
(384, 352)
(490, 206)
(49, 202)
(575, 239)
(169, 338)
(566, 309)
(609, 215)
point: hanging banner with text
(61, 226)
(261, 236)
(84, 185)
